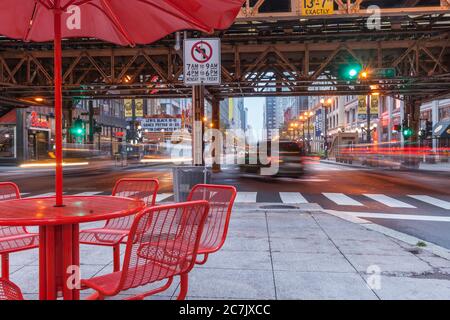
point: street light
(306, 117)
(325, 104)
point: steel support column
(216, 125)
(198, 105)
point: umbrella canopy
(121, 22)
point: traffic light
(429, 128)
(396, 128)
(77, 129)
(350, 71)
(422, 134)
(426, 132)
(97, 127)
(407, 132)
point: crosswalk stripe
(163, 196)
(43, 195)
(388, 201)
(342, 199)
(246, 197)
(87, 194)
(292, 197)
(433, 201)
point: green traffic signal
(407, 133)
(350, 72)
(78, 128)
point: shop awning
(9, 117)
(442, 129)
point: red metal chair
(13, 239)
(162, 243)
(9, 291)
(221, 200)
(113, 233)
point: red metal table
(59, 233)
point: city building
(279, 111)
(26, 134)
(348, 114)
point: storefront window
(7, 142)
(444, 113)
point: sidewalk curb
(345, 164)
(259, 207)
(411, 240)
(368, 167)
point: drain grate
(278, 207)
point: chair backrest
(9, 291)
(9, 191)
(221, 201)
(162, 243)
(144, 189)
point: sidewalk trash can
(185, 177)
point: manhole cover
(280, 207)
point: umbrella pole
(58, 108)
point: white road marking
(292, 197)
(23, 194)
(246, 197)
(388, 201)
(342, 200)
(433, 201)
(392, 216)
(163, 196)
(43, 195)
(89, 193)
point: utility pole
(91, 121)
(369, 132)
(198, 105)
(216, 155)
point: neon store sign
(36, 122)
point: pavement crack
(270, 254)
(345, 257)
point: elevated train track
(264, 53)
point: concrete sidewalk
(294, 254)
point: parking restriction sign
(202, 62)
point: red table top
(41, 211)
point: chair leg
(203, 261)
(5, 266)
(95, 296)
(184, 284)
(154, 291)
(116, 253)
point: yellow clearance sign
(317, 7)
(139, 108)
(128, 106)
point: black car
(289, 159)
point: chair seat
(103, 236)
(107, 285)
(18, 242)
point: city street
(414, 203)
(224, 149)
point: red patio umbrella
(121, 22)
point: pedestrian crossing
(297, 198)
(390, 202)
(342, 199)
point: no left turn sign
(202, 62)
(202, 52)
